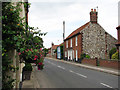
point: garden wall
(103, 63)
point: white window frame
(65, 53)
(76, 41)
(66, 44)
(71, 42)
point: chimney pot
(91, 9)
(94, 10)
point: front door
(76, 55)
(71, 54)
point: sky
(49, 15)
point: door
(68, 54)
(73, 54)
(76, 55)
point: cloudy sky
(49, 15)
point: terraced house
(90, 39)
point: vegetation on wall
(111, 52)
(16, 36)
(115, 56)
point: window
(65, 53)
(76, 40)
(66, 44)
(71, 43)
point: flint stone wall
(96, 42)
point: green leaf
(22, 49)
(15, 38)
(18, 43)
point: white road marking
(106, 85)
(81, 75)
(78, 74)
(71, 71)
(61, 67)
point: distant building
(49, 52)
(90, 39)
(52, 51)
(60, 51)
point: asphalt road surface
(61, 75)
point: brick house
(91, 39)
(49, 52)
(53, 48)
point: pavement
(34, 83)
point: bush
(115, 55)
(82, 56)
(27, 67)
(111, 52)
(87, 56)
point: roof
(77, 30)
(60, 44)
(55, 46)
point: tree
(111, 52)
(115, 56)
(45, 51)
(15, 36)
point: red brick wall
(74, 47)
(109, 64)
(89, 61)
(103, 63)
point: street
(61, 75)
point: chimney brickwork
(93, 16)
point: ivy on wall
(16, 36)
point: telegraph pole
(63, 38)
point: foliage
(82, 56)
(87, 56)
(45, 50)
(40, 66)
(111, 52)
(10, 29)
(16, 36)
(55, 51)
(115, 55)
(27, 67)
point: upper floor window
(66, 44)
(71, 43)
(76, 40)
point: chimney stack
(93, 16)
(52, 44)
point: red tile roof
(60, 44)
(77, 30)
(55, 46)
